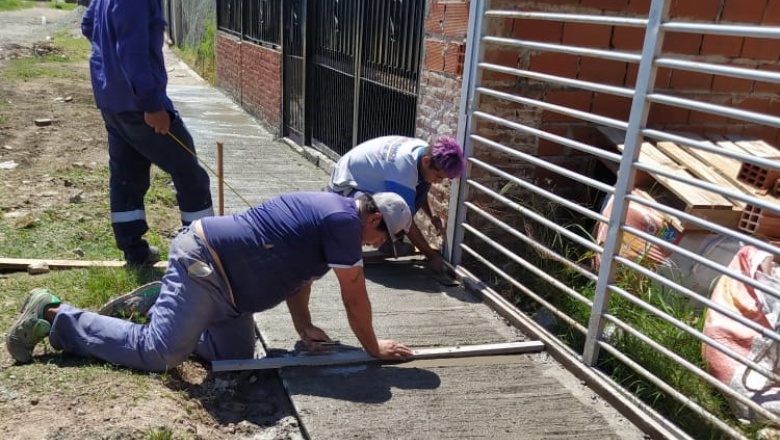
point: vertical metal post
(654, 35)
(306, 133)
(358, 63)
(468, 102)
(220, 181)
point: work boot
(134, 304)
(152, 257)
(30, 328)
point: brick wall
(751, 53)
(446, 23)
(252, 75)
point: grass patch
(201, 57)
(14, 5)
(52, 60)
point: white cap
(395, 212)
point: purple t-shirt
(272, 250)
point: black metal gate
(294, 71)
(360, 78)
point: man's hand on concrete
(315, 339)
(159, 121)
(392, 350)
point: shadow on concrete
(371, 383)
(403, 277)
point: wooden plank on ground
(360, 356)
(756, 147)
(22, 263)
(701, 170)
(726, 166)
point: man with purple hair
(407, 167)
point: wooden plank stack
(719, 170)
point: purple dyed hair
(448, 156)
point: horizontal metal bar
(637, 411)
(584, 85)
(718, 69)
(539, 191)
(569, 18)
(697, 221)
(720, 386)
(567, 142)
(710, 147)
(702, 299)
(586, 116)
(563, 316)
(712, 187)
(538, 247)
(533, 215)
(735, 30)
(543, 164)
(699, 259)
(745, 115)
(639, 369)
(571, 50)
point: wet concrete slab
(507, 397)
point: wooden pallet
(697, 201)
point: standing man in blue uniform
(129, 83)
(222, 270)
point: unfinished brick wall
(743, 52)
(446, 23)
(252, 75)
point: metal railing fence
(522, 237)
(258, 21)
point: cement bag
(645, 219)
(692, 274)
(759, 307)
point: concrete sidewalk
(502, 397)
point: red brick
(761, 49)
(587, 35)
(764, 86)
(706, 10)
(578, 100)
(743, 11)
(628, 38)
(602, 71)
(456, 20)
(611, 106)
(721, 45)
(759, 105)
(661, 76)
(661, 114)
(686, 44)
(434, 55)
(731, 85)
(639, 7)
(772, 13)
(549, 148)
(555, 64)
(502, 55)
(612, 5)
(434, 23)
(767, 134)
(538, 30)
(684, 80)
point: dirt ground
(100, 402)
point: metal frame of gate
(466, 237)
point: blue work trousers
(133, 147)
(193, 314)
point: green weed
(165, 433)
(202, 57)
(13, 5)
